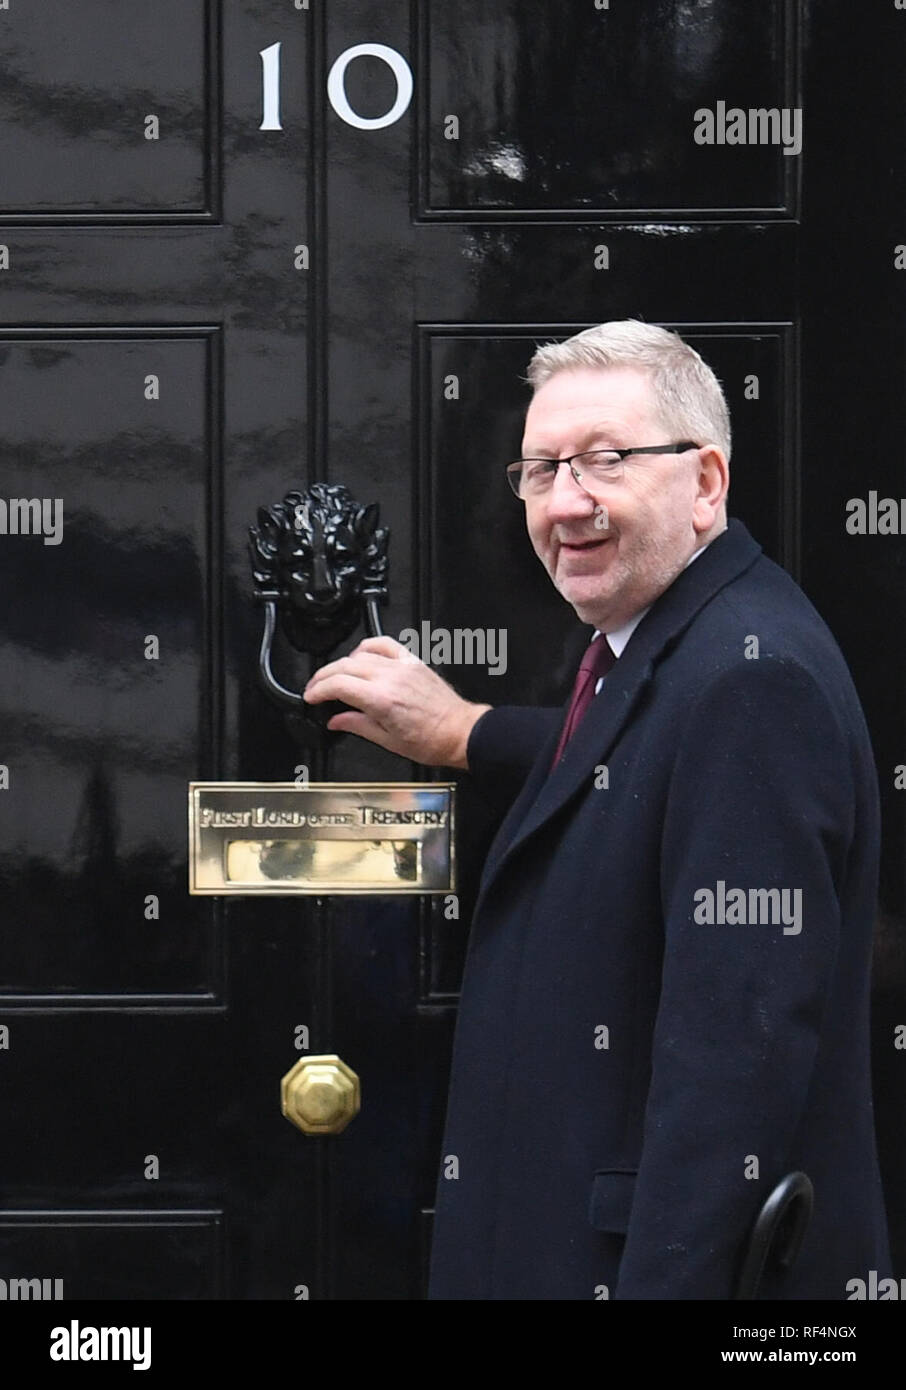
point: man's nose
(567, 500)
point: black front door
(245, 246)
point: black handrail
(778, 1232)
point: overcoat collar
(544, 792)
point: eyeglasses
(532, 477)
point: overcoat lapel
(545, 793)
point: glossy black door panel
(107, 684)
(131, 1255)
(110, 102)
(587, 109)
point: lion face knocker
(320, 561)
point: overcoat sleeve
(762, 795)
(503, 745)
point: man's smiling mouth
(579, 547)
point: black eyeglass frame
(514, 469)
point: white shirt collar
(620, 636)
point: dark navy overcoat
(650, 1038)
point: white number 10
(336, 89)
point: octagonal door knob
(320, 1095)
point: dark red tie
(596, 662)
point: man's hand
(405, 706)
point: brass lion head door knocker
(320, 567)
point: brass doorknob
(320, 1094)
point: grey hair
(688, 396)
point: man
(665, 1003)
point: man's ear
(713, 482)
